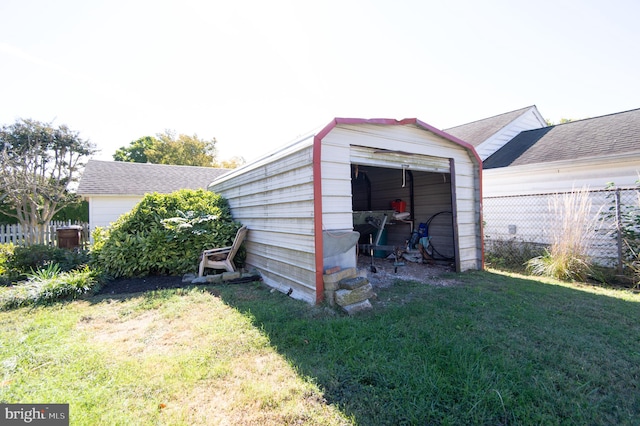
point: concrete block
(188, 278)
(228, 276)
(331, 280)
(330, 297)
(349, 297)
(353, 283)
(214, 279)
(357, 307)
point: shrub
(510, 254)
(625, 224)
(164, 234)
(48, 285)
(6, 251)
(572, 227)
(23, 260)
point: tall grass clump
(50, 284)
(572, 226)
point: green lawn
(486, 349)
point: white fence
(15, 235)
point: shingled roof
(609, 134)
(122, 178)
(479, 131)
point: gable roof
(617, 133)
(479, 131)
(123, 178)
(317, 136)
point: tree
(232, 162)
(562, 121)
(167, 148)
(37, 163)
(182, 150)
(136, 152)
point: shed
(114, 187)
(302, 201)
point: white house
(589, 152)
(522, 177)
(302, 202)
(114, 187)
(490, 134)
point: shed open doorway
(406, 214)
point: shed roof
(479, 131)
(617, 133)
(123, 178)
(318, 135)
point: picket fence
(15, 235)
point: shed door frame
(417, 162)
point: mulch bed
(158, 282)
(136, 285)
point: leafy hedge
(164, 234)
(17, 262)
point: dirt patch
(387, 272)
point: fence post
(619, 231)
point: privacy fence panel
(517, 228)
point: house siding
(104, 209)
(560, 176)
(527, 121)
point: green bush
(6, 252)
(50, 284)
(16, 262)
(164, 234)
(510, 254)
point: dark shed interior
(426, 201)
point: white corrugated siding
(424, 151)
(275, 200)
(528, 121)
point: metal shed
(303, 202)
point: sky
(256, 75)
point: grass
(571, 228)
(489, 348)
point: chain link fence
(518, 228)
